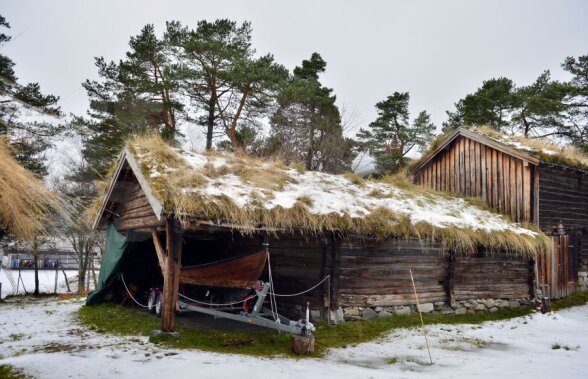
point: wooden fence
(557, 270)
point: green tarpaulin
(116, 244)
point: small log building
(524, 183)
(369, 273)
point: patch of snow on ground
(44, 338)
(46, 281)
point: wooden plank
(467, 165)
(513, 188)
(477, 173)
(484, 173)
(161, 258)
(457, 168)
(527, 193)
(171, 276)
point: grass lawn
(110, 318)
(9, 372)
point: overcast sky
(437, 50)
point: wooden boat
(241, 271)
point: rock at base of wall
(402, 310)
(337, 316)
(480, 308)
(369, 314)
(384, 314)
(514, 304)
(427, 307)
(460, 311)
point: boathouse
(529, 180)
(167, 209)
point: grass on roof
(566, 155)
(270, 176)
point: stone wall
(458, 308)
(583, 280)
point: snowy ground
(43, 338)
(46, 281)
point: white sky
(436, 50)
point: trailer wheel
(151, 302)
(158, 304)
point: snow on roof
(248, 192)
(545, 150)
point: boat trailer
(260, 315)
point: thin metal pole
(421, 315)
(329, 295)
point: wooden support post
(159, 250)
(450, 278)
(171, 275)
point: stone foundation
(583, 280)
(458, 307)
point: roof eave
(478, 138)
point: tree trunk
(210, 121)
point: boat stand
(260, 315)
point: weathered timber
(496, 276)
(172, 274)
(161, 258)
(473, 169)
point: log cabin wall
(491, 277)
(129, 207)
(563, 196)
(469, 168)
(376, 272)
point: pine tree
(137, 94)
(27, 116)
(574, 122)
(391, 137)
(306, 126)
(491, 105)
(206, 56)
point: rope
(303, 292)
(273, 304)
(129, 292)
(217, 304)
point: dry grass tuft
(26, 205)
(354, 178)
(567, 155)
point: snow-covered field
(46, 281)
(44, 339)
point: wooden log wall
(557, 273)
(491, 277)
(469, 168)
(563, 196)
(129, 207)
(376, 272)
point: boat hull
(241, 271)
